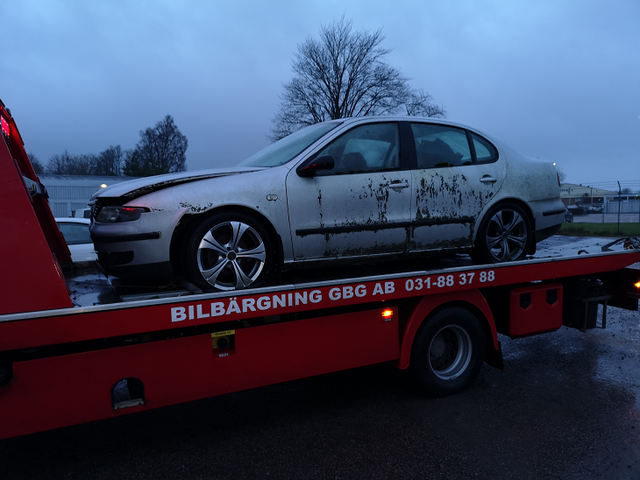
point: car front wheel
(229, 251)
(505, 235)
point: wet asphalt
(566, 406)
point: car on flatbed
(352, 190)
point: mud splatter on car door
(457, 174)
(448, 201)
(349, 215)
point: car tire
(505, 234)
(229, 251)
(448, 351)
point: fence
(615, 202)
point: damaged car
(352, 190)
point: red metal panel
(56, 241)
(32, 279)
(533, 310)
(148, 316)
(66, 390)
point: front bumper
(140, 243)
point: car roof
(404, 118)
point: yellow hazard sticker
(223, 334)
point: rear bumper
(548, 216)
(547, 232)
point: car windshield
(287, 148)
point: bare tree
(160, 150)
(35, 163)
(419, 104)
(69, 164)
(84, 164)
(561, 174)
(344, 75)
(109, 161)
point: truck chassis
(74, 350)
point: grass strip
(600, 229)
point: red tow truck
(76, 347)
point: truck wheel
(229, 251)
(505, 235)
(448, 351)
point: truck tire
(448, 351)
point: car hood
(142, 186)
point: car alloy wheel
(504, 235)
(229, 252)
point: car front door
(458, 173)
(358, 208)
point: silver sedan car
(353, 190)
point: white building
(572, 194)
(68, 193)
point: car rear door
(457, 173)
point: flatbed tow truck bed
(77, 347)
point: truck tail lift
(73, 350)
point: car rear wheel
(505, 235)
(229, 251)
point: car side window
(75, 234)
(367, 148)
(441, 146)
(485, 152)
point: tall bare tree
(343, 75)
(161, 149)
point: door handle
(488, 179)
(398, 185)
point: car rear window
(485, 152)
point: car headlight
(119, 214)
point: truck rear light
(5, 126)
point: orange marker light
(387, 315)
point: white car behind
(76, 233)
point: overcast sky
(556, 79)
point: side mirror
(311, 166)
